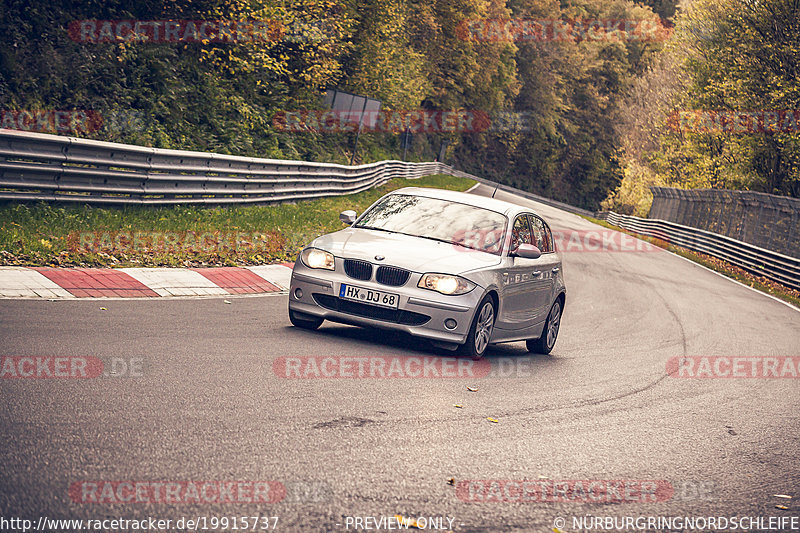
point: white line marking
(787, 304)
(768, 295)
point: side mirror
(348, 217)
(527, 251)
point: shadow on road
(381, 339)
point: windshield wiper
(378, 229)
(426, 237)
(401, 233)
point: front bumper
(420, 312)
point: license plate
(369, 296)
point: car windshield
(440, 220)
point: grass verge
(181, 236)
(760, 283)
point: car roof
(492, 204)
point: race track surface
(205, 403)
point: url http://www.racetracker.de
(196, 523)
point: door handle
(537, 272)
(556, 269)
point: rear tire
(480, 333)
(547, 341)
(305, 323)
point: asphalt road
(208, 405)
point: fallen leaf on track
(407, 522)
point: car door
(549, 262)
(525, 290)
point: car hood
(412, 253)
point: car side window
(541, 235)
(521, 232)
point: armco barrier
(36, 166)
(524, 194)
(766, 220)
(775, 266)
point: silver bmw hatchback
(461, 270)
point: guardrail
(773, 265)
(524, 194)
(36, 166)
(766, 220)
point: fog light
(450, 323)
(298, 293)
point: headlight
(316, 258)
(445, 284)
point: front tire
(480, 333)
(305, 323)
(545, 343)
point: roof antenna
(495, 190)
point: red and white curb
(65, 283)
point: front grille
(409, 318)
(392, 276)
(358, 269)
